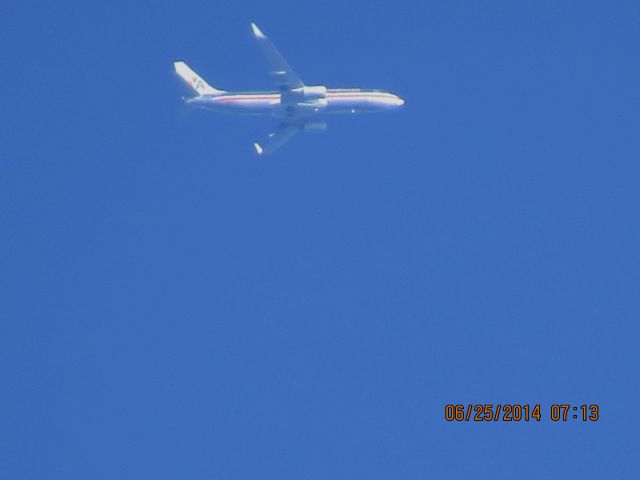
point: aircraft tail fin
(194, 81)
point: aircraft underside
(295, 104)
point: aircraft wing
(275, 140)
(284, 75)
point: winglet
(258, 148)
(256, 31)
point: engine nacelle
(311, 92)
(314, 127)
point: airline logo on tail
(195, 81)
(197, 84)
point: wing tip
(258, 148)
(256, 31)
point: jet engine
(311, 92)
(314, 127)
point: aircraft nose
(395, 101)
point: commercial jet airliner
(295, 104)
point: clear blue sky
(173, 307)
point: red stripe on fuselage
(330, 95)
(244, 98)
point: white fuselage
(280, 105)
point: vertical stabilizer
(194, 81)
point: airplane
(295, 104)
